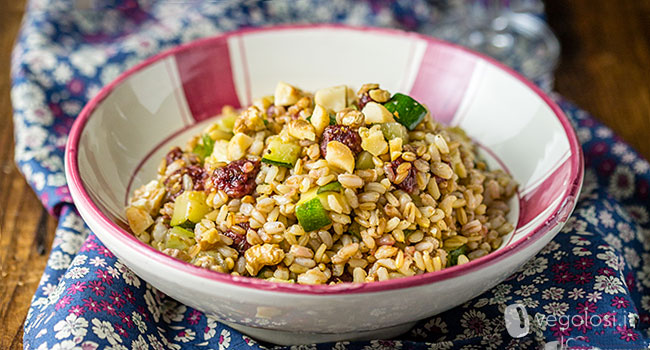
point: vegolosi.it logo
(518, 325)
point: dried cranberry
(198, 176)
(239, 242)
(175, 153)
(343, 134)
(363, 99)
(237, 178)
(409, 184)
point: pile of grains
(325, 188)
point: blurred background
(595, 53)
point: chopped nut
(376, 113)
(367, 87)
(208, 239)
(320, 119)
(263, 103)
(238, 145)
(138, 218)
(258, 256)
(286, 94)
(304, 102)
(350, 117)
(149, 197)
(379, 95)
(333, 98)
(219, 152)
(302, 130)
(250, 120)
(372, 140)
(340, 156)
(395, 148)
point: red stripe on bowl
(540, 198)
(443, 99)
(207, 79)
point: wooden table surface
(604, 68)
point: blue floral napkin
(590, 287)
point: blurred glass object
(510, 31)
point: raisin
(175, 153)
(343, 134)
(409, 184)
(237, 178)
(239, 242)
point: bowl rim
(83, 200)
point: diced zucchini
(176, 242)
(189, 206)
(226, 122)
(182, 232)
(364, 161)
(395, 130)
(406, 110)
(452, 257)
(179, 238)
(281, 153)
(310, 212)
(330, 187)
(204, 148)
(332, 119)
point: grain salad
(325, 188)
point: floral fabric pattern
(589, 287)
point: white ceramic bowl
(120, 136)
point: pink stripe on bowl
(207, 79)
(538, 199)
(453, 67)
